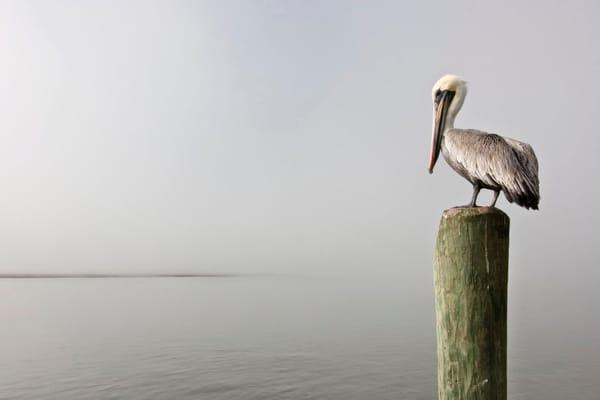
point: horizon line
(115, 275)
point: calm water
(255, 338)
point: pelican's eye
(438, 96)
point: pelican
(487, 160)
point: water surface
(253, 338)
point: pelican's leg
(476, 190)
(496, 193)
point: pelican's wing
(496, 161)
(527, 158)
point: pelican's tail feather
(525, 198)
(524, 186)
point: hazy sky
(286, 136)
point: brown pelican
(486, 160)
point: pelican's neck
(449, 122)
(447, 126)
(455, 106)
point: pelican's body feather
(493, 162)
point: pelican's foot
(468, 206)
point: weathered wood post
(471, 277)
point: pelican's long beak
(441, 110)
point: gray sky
(285, 136)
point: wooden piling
(471, 277)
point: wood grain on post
(471, 277)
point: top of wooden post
(467, 212)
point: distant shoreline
(96, 276)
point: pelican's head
(448, 95)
